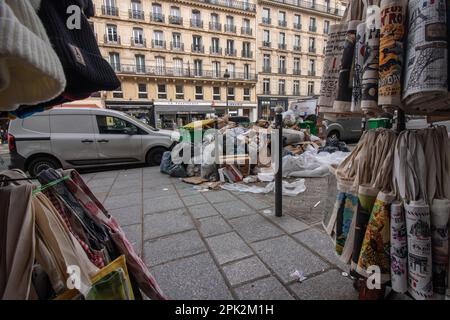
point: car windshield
(143, 121)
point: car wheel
(42, 163)
(154, 156)
(334, 135)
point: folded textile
(425, 85)
(30, 70)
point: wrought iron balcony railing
(158, 44)
(247, 31)
(110, 11)
(230, 28)
(175, 20)
(157, 17)
(138, 42)
(109, 39)
(136, 14)
(195, 23)
(215, 26)
(177, 46)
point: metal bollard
(279, 173)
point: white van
(83, 137)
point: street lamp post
(226, 75)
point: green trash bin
(309, 125)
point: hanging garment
(425, 84)
(136, 266)
(392, 34)
(84, 67)
(344, 85)
(30, 71)
(375, 250)
(360, 47)
(17, 242)
(369, 102)
(399, 249)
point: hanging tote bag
(392, 34)
(398, 249)
(360, 47)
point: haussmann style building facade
(188, 60)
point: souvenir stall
(57, 241)
(390, 218)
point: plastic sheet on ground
(311, 164)
(289, 189)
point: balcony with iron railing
(197, 48)
(282, 92)
(138, 42)
(296, 92)
(248, 54)
(282, 70)
(177, 46)
(282, 23)
(266, 20)
(246, 31)
(282, 46)
(230, 52)
(298, 26)
(312, 6)
(312, 50)
(266, 44)
(110, 11)
(196, 23)
(215, 50)
(297, 48)
(136, 14)
(234, 4)
(311, 73)
(159, 44)
(180, 72)
(176, 20)
(108, 39)
(267, 69)
(266, 92)
(214, 26)
(313, 28)
(230, 28)
(157, 17)
(297, 72)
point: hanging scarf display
(369, 103)
(425, 84)
(392, 33)
(360, 46)
(347, 210)
(399, 249)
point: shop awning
(182, 108)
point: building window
(310, 88)
(282, 19)
(216, 69)
(197, 44)
(266, 38)
(215, 46)
(297, 43)
(312, 45)
(160, 65)
(282, 41)
(198, 68)
(179, 92)
(231, 95)
(296, 88)
(247, 71)
(136, 10)
(266, 16)
(118, 93)
(216, 94)
(111, 33)
(266, 63)
(178, 66)
(110, 8)
(114, 60)
(296, 66)
(230, 48)
(176, 41)
(281, 87)
(162, 91)
(246, 50)
(298, 22)
(196, 19)
(231, 70)
(312, 24)
(230, 27)
(175, 16)
(246, 94)
(140, 63)
(157, 14)
(138, 37)
(158, 40)
(282, 65)
(266, 86)
(142, 91)
(198, 92)
(312, 67)
(326, 26)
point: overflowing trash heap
(240, 156)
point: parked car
(348, 128)
(81, 138)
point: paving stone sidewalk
(221, 244)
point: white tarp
(289, 189)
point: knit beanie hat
(30, 70)
(85, 69)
